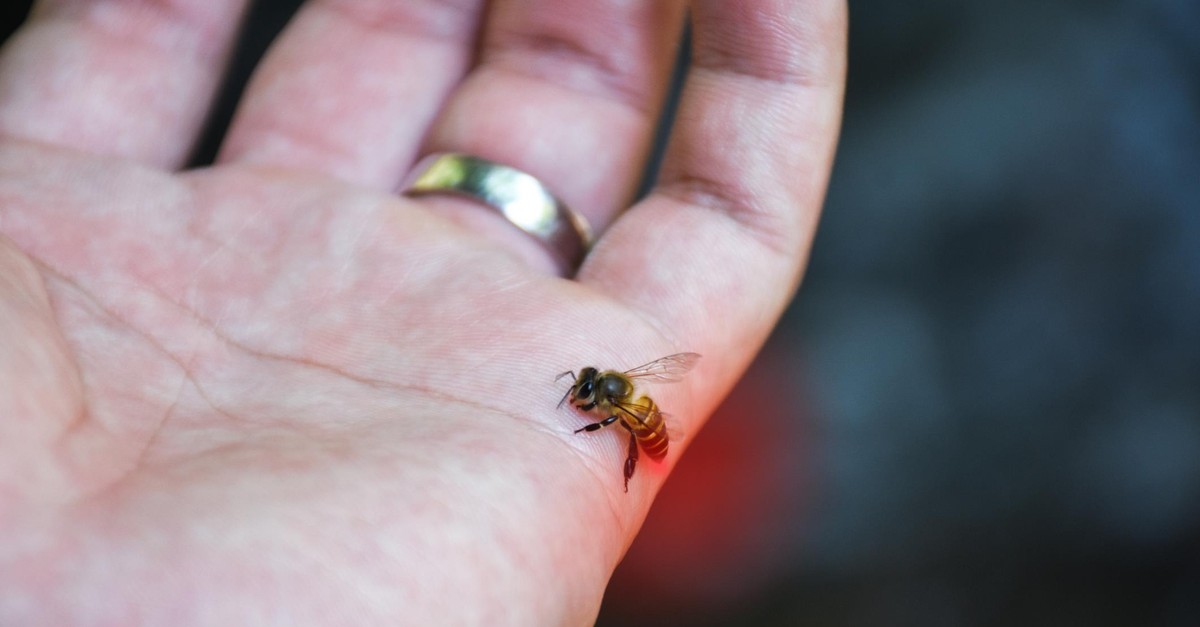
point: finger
(568, 91)
(713, 254)
(129, 79)
(352, 86)
(41, 394)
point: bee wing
(629, 409)
(674, 433)
(666, 370)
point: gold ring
(519, 197)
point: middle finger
(351, 87)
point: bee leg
(598, 425)
(631, 461)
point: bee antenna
(564, 398)
(570, 373)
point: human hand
(274, 391)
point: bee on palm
(613, 397)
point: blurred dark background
(984, 406)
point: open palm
(274, 391)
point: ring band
(519, 197)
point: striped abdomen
(646, 423)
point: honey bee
(610, 395)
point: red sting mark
(731, 517)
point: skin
(274, 391)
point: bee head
(584, 391)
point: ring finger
(569, 92)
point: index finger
(715, 251)
(131, 79)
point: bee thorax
(615, 387)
